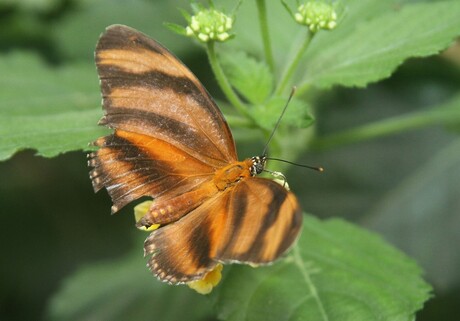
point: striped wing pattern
(149, 93)
(171, 143)
(147, 90)
(254, 222)
(132, 165)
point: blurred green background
(404, 186)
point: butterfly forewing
(158, 107)
(132, 165)
(148, 91)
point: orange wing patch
(132, 165)
(253, 222)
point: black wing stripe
(236, 208)
(164, 127)
(117, 36)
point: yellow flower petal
(210, 280)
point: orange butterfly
(172, 143)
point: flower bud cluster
(209, 25)
(316, 15)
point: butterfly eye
(258, 165)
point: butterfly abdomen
(167, 210)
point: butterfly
(172, 143)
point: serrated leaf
(336, 272)
(250, 77)
(52, 110)
(373, 49)
(124, 290)
(297, 114)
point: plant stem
(239, 121)
(224, 83)
(263, 21)
(293, 66)
(389, 126)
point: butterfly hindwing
(254, 222)
(264, 220)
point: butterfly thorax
(231, 174)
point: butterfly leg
(280, 176)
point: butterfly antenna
(316, 168)
(264, 153)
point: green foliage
(298, 115)
(429, 200)
(337, 271)
(31, 5)
(44, 108)
(93, 17)
(353, 55)
(356, 55)
(124, 291)
(448, 114)
(250, 77)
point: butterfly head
(258, 165)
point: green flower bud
(209, 25)
(316, 15)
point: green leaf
(124, 290)
(447, 114)
(94, 16)
(430, 224)
(297, 114)
(250, 77)
(52, 110)
(336, 272)
(357, 55)
(285, 33)
(180, 30)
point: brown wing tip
(165, 275)
(160, 266)
(162, 275)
